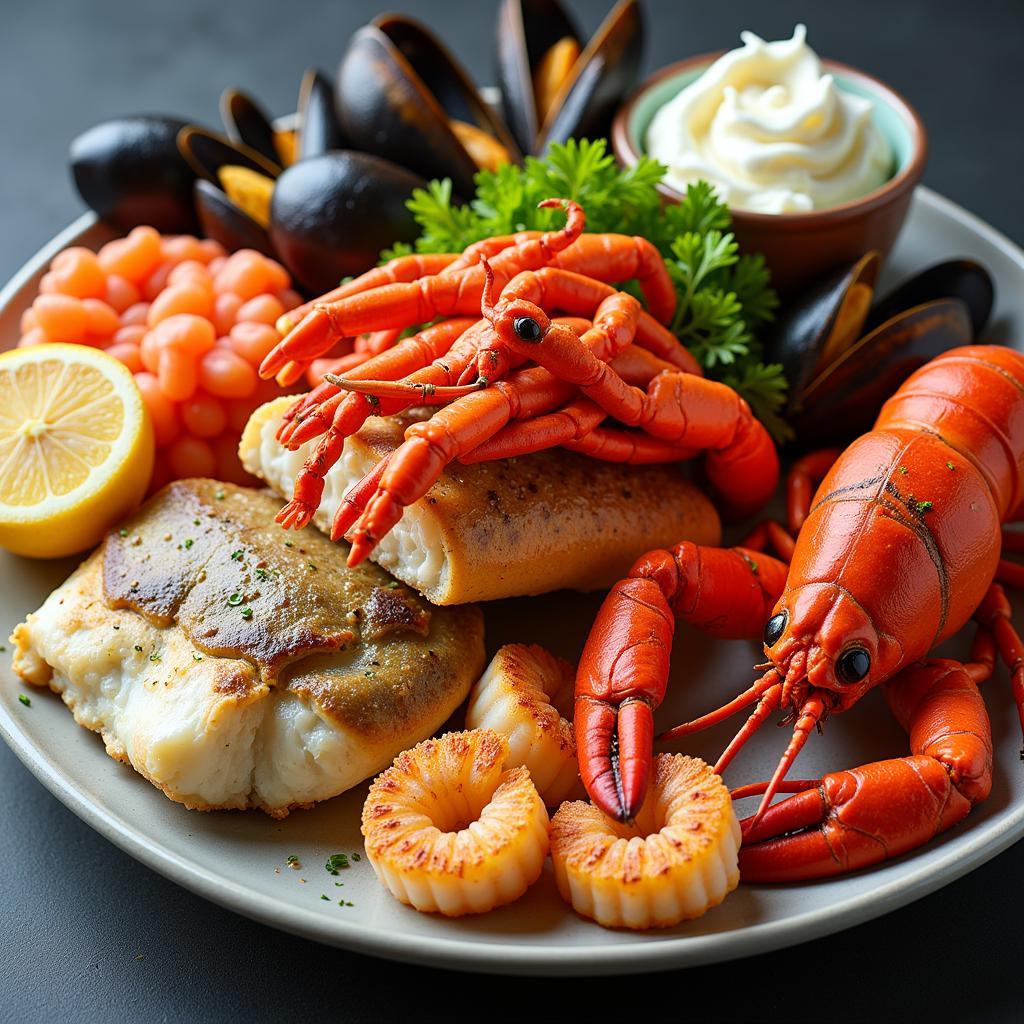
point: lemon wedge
(76, 448)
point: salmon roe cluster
(191, 322)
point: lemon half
(76, 448)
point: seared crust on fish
(236, 666)
(507, 528)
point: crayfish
(899, 548)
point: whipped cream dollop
(770, 132)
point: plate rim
(515, 957)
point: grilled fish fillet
(508, 528)
(236, 666)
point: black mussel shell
(222, 220)
(843, 401)
(803, 329)
(130, 172)
(955, 279)
(319, 128)
(206, 152)
(246, 122)
(397, 90)
(527, 29)
(605, 72)
(331, 215)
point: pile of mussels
(325, 197)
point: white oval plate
(239, 859)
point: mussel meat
(403, 96)
(552, 87)
(129, 170)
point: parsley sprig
(725, 297)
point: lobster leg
(802, 481)
(851, 819)
(624, 668)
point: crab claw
(615, 745)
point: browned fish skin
(209, 557)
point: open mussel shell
(246, 122)
(319, 128)
(955, 279)
(528, 32)
(845, 398)
(818, 327)
(605, 72)
(207, 152)
(227, 223)
(401, 95)
(331, 215)
(129, 170)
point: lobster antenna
(810, 715)
(746, 698)
(769, 702)
(486, 299)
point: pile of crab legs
(517, 380)
(514, 380)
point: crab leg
(408, 356)
(620, 258)
(461, 427)
(341, 415)
(682, 408)
(555, 288)
(405, 303)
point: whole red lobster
(900, 548)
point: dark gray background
(76, 914)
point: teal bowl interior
(891, 123)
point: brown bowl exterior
(802, 247)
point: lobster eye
(774, 627)
(853, 665)
(527, 329)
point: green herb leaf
(246, 613)
(23, 699)
(335, 863)
(235, 599)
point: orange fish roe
(190, 321)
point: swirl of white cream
(771, 132)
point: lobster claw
(616, 745)
(621, 679)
